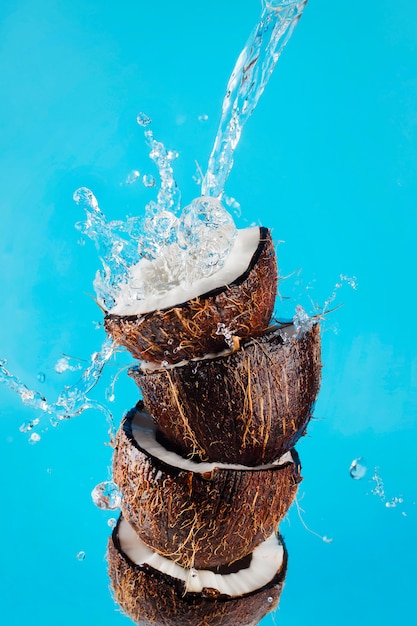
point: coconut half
(203, 317)
(250, 406)
(197, 514)
(153, 590)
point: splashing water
(198, 241)
(379, 491)
(302, 321)
(72, 400)
(115, 243)
(195, 242)
(64, 364)
(132, 177)
(351, 281)
(28, 426)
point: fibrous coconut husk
(203, 324)
(152, 598)
(248, 407)
(200, 517)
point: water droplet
(172, 155)
(85, 197)
(233, 204)
(34, 438)
(63, 364)
(203, 118)
(170, 341)
(132, 177)
(112, 522)
(106, 495)
(352, 281)
(148, 180)
(302, 321)
(143, 119)
(80, 556)
(327, 539)
(393, 502)
(27, 426)
(109, 393)
(41, 377)
(164, 363)
(358, 468)
(227, 333)
(270, 599)
(379, 489)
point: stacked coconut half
(205, 462)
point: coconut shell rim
(126, 426)
(263, 232)
(224, 354)
(177, 584)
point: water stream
(199, 235)
(251, 73)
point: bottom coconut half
(153, 590)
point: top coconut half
(206, 315)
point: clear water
(358, 468)
(106, 496)
(188, 243)
(328, 161)
(246, 85)
(72, 400)
(193, 242)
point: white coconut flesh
(238, 260)
(267, 559)
(144, 433)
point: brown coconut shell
(190, 329)
(150, 597)
(200, 519)
(248, 407)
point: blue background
(328, 160)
